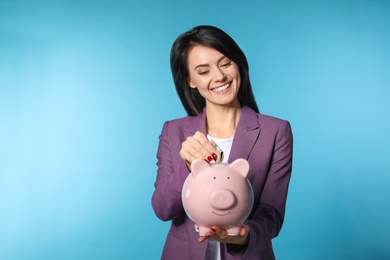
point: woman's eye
(226, 64)
(204, 72)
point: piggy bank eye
(215, 177)
(228, 178)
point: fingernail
(209, 158)
(214, 156)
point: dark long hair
(217, 39)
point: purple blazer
(266, 142)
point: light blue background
(85, 87)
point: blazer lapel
(198, 123)
(247, 132)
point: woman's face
(216, 77)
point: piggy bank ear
(199, 165)
(240, 165)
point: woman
(211, 77)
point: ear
(240, 165)
(198, 165)
(190, 83)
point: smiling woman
(211, 77)
(220, 44)
(216, 77)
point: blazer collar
(247, 132)
(198, 123)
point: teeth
(221, 88)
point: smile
(221, 215)
(221, 88)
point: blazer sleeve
(171, 174)
(268, 217)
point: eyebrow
(205, 65)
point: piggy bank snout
(222, 199)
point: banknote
(219, 152)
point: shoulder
(179, 123)
(275, 127)
(264, 121)
(271, 127)
(180, 128)
(270, 121)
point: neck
(221, 122)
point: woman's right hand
(197, 147)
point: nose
(219, 75)
(222, 199)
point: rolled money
(219, 152)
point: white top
(213, 251)
(225, 144)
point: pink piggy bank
(218, 194)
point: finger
(189, 151)
(244, 230)
(200, 144)
(197, 147)
(186, 156)
(219, 232)
(201, 239)
(202, 138)
(206, 149)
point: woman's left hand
(222, 236)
